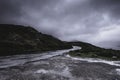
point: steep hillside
(91, 51)
(17, 38)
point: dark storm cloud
(110, 6)
(9, 9)
(93, 21)
(13, 10)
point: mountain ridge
(17, 38)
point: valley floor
(57, 67)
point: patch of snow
(42, 71)
(118, 71)
(55, 53)
(96, 60)
(65, 72)
(21, 59)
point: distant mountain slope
(91, 51)
(17, 38)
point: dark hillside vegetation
(91, 51)
(17, 38)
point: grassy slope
(92, 51)
(16, 38)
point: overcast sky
(94, 21)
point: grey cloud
(110, 6)
(85, 20)
(9, 10)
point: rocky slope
(17, 38)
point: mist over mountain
(93, 21)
